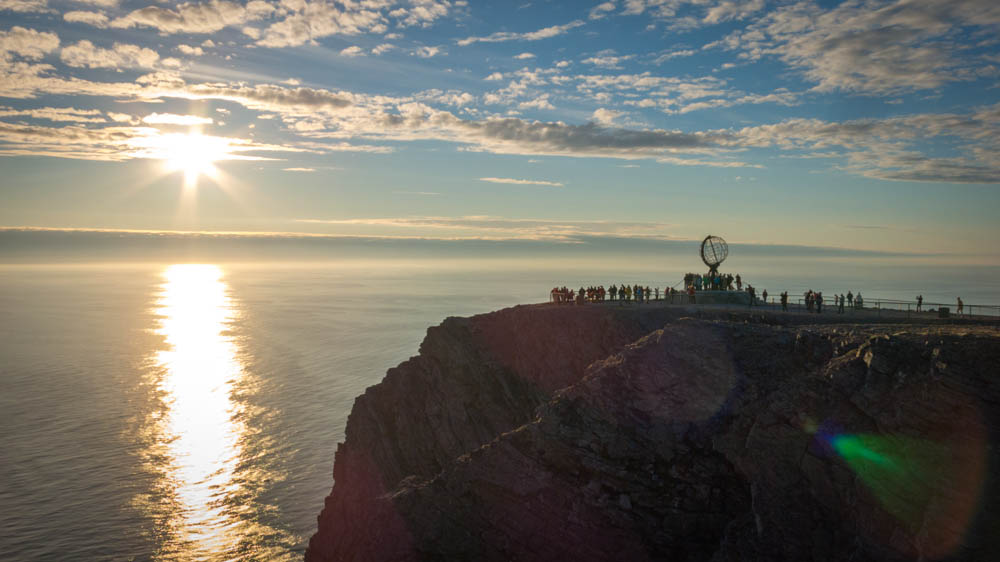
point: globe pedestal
(741, 298)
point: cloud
(673, 55)
(56, 114)
(298, 169)
(269, 97)
(605, 117)
(504, 228)
(502, 36)
(607, 61)
(727, 10)
(100, 3)
(192, 17)
(455, 98)
(25, 6)
(601, 10)
(309, 21)
(174, 119)
(524, 56)
(541, 102)
(889, 149)
(879, 46)
(427, 52)
(27, 43)
(95, 19)
(84, 54)
(421, 12)
(689, 14)
(383, 48)
(115, 143)
(522, 182)
(189, 50)
(352, 51)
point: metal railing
(878, 305)
(870, 305)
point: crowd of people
(624, 294)
(695, 283)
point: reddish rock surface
(601, 433)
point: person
(819, 303)
(739, 282)
(841, 303)
(859, 301)
(961, 305)
(638, 294)
(850, 299)
(920, 302)
(691, 293)
(764, 296)
(784, 301)
(657, 293)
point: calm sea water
(192, 411)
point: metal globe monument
(714, 251)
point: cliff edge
(603, 433)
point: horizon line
(569, 239)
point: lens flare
(930, 487)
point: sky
(869, 125)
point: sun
(193, 154)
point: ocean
(191, 411)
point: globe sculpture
(714, 251)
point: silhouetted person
(961, 305)
(920, 302)
(819, 303)
(850, 299)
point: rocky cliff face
(596, 433)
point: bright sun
(194, 154)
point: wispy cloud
(121, 55)
(69, 114)
(503, 228)
(522, 182)
(875, 47)
(502, 36)
(174, 119)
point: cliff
(603, 433)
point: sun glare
(193, 154)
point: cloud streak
(503, 36)
(522, 182)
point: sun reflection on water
(201, 429)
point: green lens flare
(903, 473)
